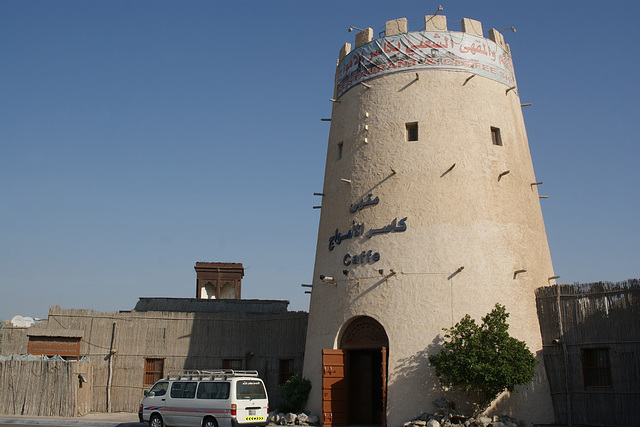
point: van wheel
(209, 422)
(156, 421)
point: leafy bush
(294, 394)
(484, 359)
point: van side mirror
(147, 393)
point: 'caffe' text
(364, 257)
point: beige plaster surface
(469, 217)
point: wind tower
(430, 211)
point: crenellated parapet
(434, 48)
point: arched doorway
(355, 376)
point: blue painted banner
(440, 50)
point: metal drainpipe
(565, 357)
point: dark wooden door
(361, 392)
(383, 372)
(334, 388)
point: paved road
(89, 420)
(63, 423)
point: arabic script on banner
(428, 49)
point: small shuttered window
(412, 131)
(153, 370)
(496, 138)
(232, 364)
(596, 367)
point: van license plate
(252, 411)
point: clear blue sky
(138, 137)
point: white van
(216, 398)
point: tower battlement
(434, 47)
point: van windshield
(250, 389)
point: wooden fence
(582, 319)
(50, 388)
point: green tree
(484, 359)
(294, 393)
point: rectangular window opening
(596, 367)
(153, 370)
(412, 131)
(495, 136)
(340, 146)
(232, 364)
(285, 370)
(66, 347)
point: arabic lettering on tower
(358, 229)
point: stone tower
(430, 211)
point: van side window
(160, 389)
(247, 389)
(211, 390)
(183, 390)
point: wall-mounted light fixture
(512, 29)
(355, 28)
(334, 100)
(552, 278)
(328, 280)
(440, 9)
(507, 91)
(348, 181)
(365, 85)
(528, 104)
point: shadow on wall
(526, 393)
(414, 380)
(250, 335)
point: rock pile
(440, 419)
(290, 419)
(446, 416)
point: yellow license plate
(254, 419)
